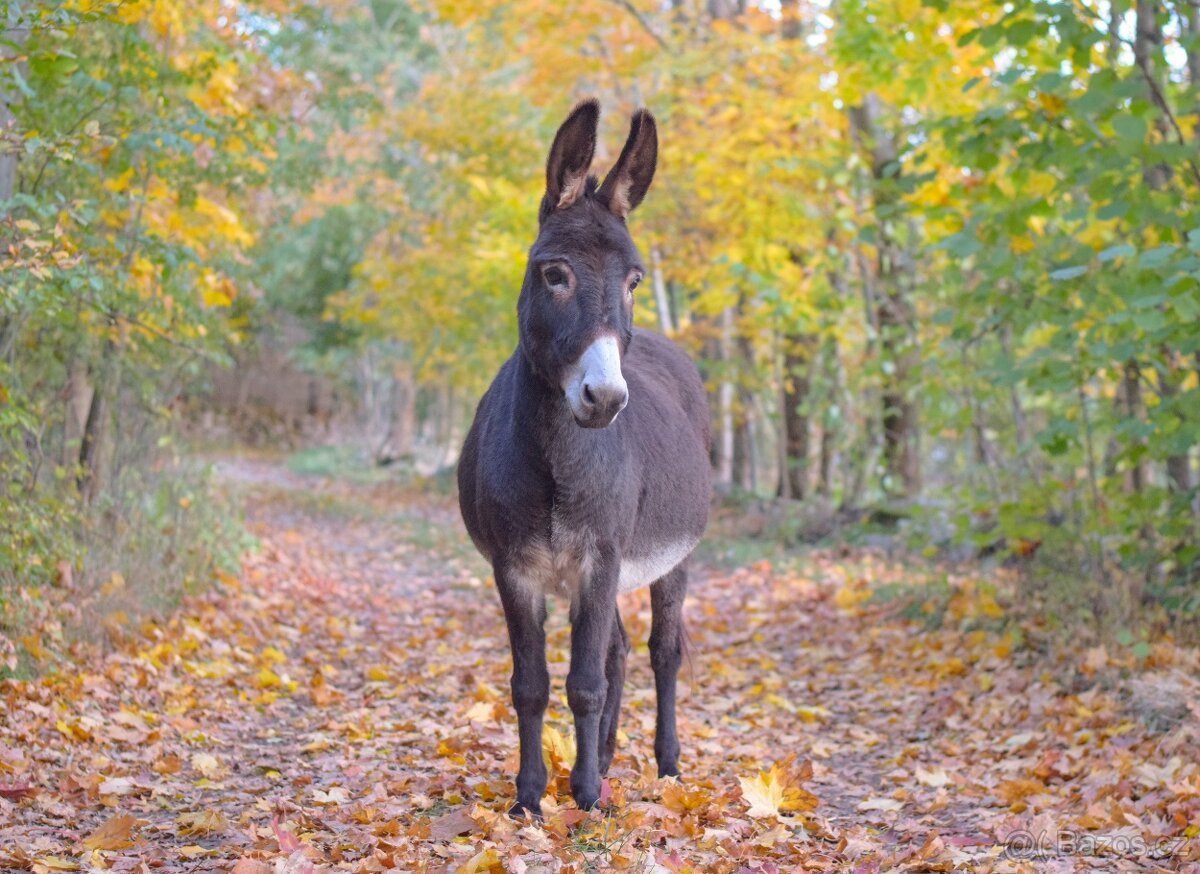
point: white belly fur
(638, 572)
(561, 572)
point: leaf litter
(343, 707)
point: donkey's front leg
(592, 615)
(525, 613)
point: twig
(641, 19)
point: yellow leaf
(195, 851)
(558, 750)
(203, 822)
(936, 777)
(849, 597)
(207, 764)
(268, 679)
(889, 804)
(271, 654)
(777, 791)
(481, 711)
(484, 861)
(54, 863)
(764, 794)
(683, 799)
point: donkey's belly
(564, 571)
(638, 571)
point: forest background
(939, 264)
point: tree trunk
(894, 314)
(1131, 395)
(830, 425)
(661, 301)
(10, 142)
(797, 385)
(745, 452)
(96, 428)
(1179, 473)
(725, 402)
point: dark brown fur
(538, 492)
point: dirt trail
(343, 707)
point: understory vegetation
(939, 265)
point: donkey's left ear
(629, 179)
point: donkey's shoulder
(669, 372)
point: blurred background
(938, 262)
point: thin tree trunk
(1191, 25)
(745, 451)
(1179, 473)
(798, 360)
(725, 401)
(830, 425)
(660, 292)
(96, 428)
(1131, 395)
(894, 311)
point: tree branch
(641, 19)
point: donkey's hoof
(668, 771)
(519, 809)
(586, 797)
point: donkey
(585, 472)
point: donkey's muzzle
(594, 386)
(600, 405)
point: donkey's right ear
(571, 158)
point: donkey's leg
(592, 614)
(525, 613)
(618, 648)
(666, 652)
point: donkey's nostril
(587, 394)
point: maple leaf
(777, 791)
(207, 764)
(684, 799)
(558, 749)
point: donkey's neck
(545, 426)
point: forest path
(343, 706)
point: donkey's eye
(635, 279)
(557, 277)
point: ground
(343, 706)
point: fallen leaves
(820, 731)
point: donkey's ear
(571, 157)
(629, 179)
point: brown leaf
(113, 835)
(1013, 791)
(453, 824)
(250, 866)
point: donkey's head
(576, 306)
